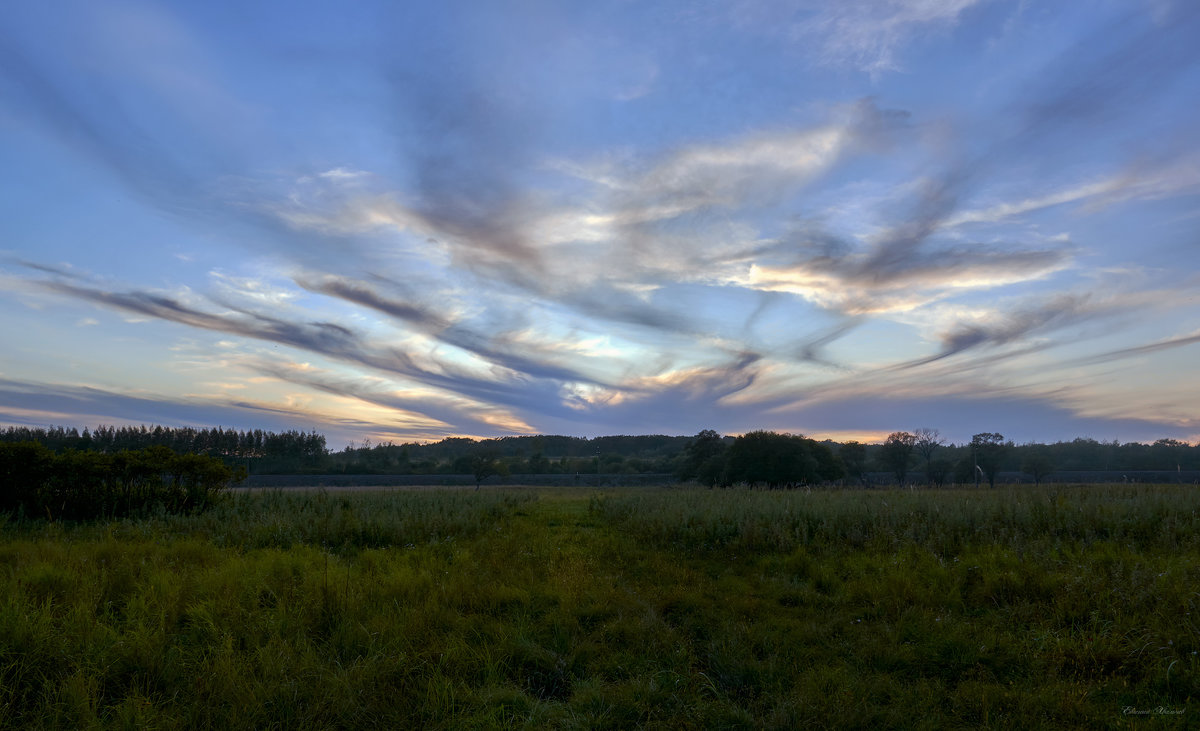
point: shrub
(87, 485)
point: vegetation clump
(78, 485)
(759, 458)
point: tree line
(924, 456)
(217, 442)
(919, 456)
(524, 455)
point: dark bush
(85, 485)
(23, 467)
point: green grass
(659, 608)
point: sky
(406, 221)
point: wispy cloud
(131, 50)
(896, 277)
(420, 412)
(1140, 350)
(1140, 180)
(35, 403)
(509, 379)
(869, 35)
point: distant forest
(918, 457)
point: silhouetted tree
(485, 465)
(1037, 464)
(939, 470)
(829, 465)
(704, 459)
(927, 442)
(770, 458)
(854, 459)
(988, 449)
(896, 454)
(538, 464)
(1169, 452)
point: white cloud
(341, 174)
(850, 285)
(724, 174)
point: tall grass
(623, 609)
(1089, 590)
(341, 522)
(1145, 517)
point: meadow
(662, 607)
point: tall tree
(854, 458)
(928, 440)
(777, 460)
(896, 454)
(704, 459)
(486, 464)
(988, 449)
(1037, 464)
(939, 470)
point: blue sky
(404, 221)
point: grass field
(650, 607)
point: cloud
(719, 174)
(475, 272)
(508, 380)
(1139, 350)
(1057, 313)
(639, 227)
(868, 35)
(1022, 418)
(627, 229)
(656, 215)
(466, 142)
(751, 171)
(678, 401)
(910, 263)
(423, 317)
(895, 275)
(1001, 211)
(34, 403)
(343, 175)
(1112, 74)
(507, 347)
(422, 412)
(981, 336)
(128, 88)
(324, 337)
